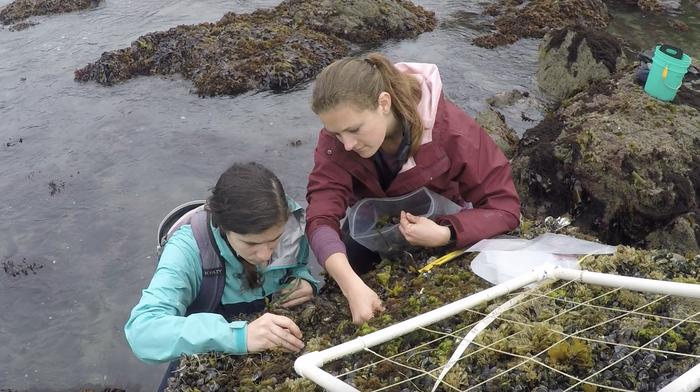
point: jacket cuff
(306, 275)
(324, 242)
(240, 332)
(461, 238)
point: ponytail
(360, 81)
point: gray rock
(494, 124)
(570, 59)
(680, 235)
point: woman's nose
(264, 252)
(348, 142)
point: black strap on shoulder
(213, 267)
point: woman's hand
(421, 231)
(297, 292)
(271, 331)
(364, 302)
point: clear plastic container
(373, 222)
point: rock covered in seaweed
(550, 329)
(273, 49)
(621, 162)
(19, 10)
(655, 6)
(360, 21)
(537, 17)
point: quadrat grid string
(407, 374)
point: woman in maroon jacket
(388, 131)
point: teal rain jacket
(157, 330)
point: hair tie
(368, 61)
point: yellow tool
(664, 73)
(442, 260)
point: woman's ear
(384, 102)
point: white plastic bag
(505, 258)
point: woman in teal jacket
(258, 233)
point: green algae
(570, 327)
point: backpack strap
(180, 215)
(213, 266)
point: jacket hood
(431, 89)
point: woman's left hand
(297, 292)
(421, 231)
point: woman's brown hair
(248, 199)
(360, 81)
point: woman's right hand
(271, 331)
(364, 302)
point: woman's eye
(353, 130)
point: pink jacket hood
(431, 85)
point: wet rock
(650, 5)
(273, 49)
(689, 93)
(19, 10)
(519, 108)
(14, 141)
(22, 26)
(622, 163)
(360, 21)
(460, 20)
(537, 17)
(682, 234)
(505, 99)
(678, 25)
(56, 186)
(21, 268)
(494, 124)
(655, 6)
(571, 58)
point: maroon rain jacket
(461, 162)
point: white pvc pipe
(686, 382)
(309, 365)
(474, 332)
(629, 283)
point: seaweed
(586, 331)
(270, 49)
